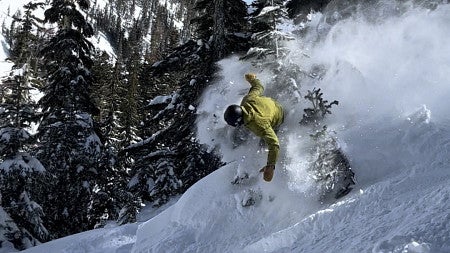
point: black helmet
(233, 115)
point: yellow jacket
(261, 115)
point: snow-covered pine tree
(112, 95)
(163, 31)
(172, 119)
(130, 117)
(187, 15)
(221, 24)
(329, 166)
(8, 32)
(20, 173)
(320, 108)
(69, 146)
(131, 103)
(269, 50)
(107, 99)
(26, 213)
(108, 90)
(156, 180)
(105, 92)
(125, 117)
(267, 38)
(25, 41)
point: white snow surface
(101, 43)
(391, 79)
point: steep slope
(392, 122)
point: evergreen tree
(320, 108)
(269, 51)
(222, 24)
(170, 160)
(9, 32)
(69, 146)
(20, 172)
(155, 179)
(106, 98)
(267, 38)
(123, 122)
(130, 105)
(104, 91)
(118, 133)
(329, 166)
(24, 44)
(110, 90)
(127, 77)
(164, 34)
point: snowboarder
(261, 115)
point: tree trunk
(219, 29)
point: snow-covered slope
(392, 122)
(391, 79)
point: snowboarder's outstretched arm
(273, 144)
(257, 89)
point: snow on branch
(267, 10)
(23, 162)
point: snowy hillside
(390, 75)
